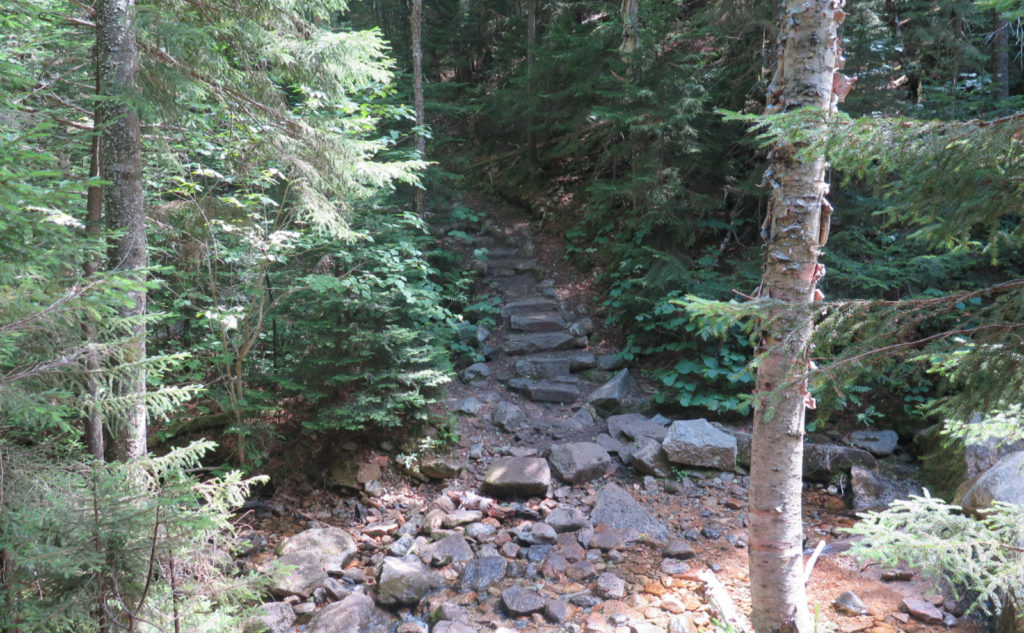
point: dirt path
(561, 556)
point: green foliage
(928, 534)
(366, 338)
(92, 547)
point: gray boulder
(476, 371)
(508, 417)
(452, 548)
(481, 573)
(824, 461)
(631, 426)
(521, 601)
(271, 617)
(874, 491)
(566, 519)
(405, 581)
(617, 508)
(577, 462)
(616, 393)
(517, 477)
(879, 443)
(698, 443)
(648, 456)
(354, 614)
(303, 558)
(1004, 482)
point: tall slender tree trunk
(94, 438)
(630, 27)
(416, 23)
(1000, 56)
(123, 202)
(795, 230)
(531, 55)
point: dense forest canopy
(236, 218)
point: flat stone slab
(632, 426)
(544, 367)
(544, 322)
(517, 477)
(577, 462)
(879, 443)
(528, 305)
(617, 508)
(481, 573)
(520, 344)
(698, 443)
(551, 391)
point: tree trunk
(795, 231)
(531, 50)
(1000, 56)
(416, 23)
(94, 439)
(630, 28)
(123, 202)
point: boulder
(354, 614)
(617, 508)
(1004, 482)
(405, 581)
(441, 467)
(566, 519)
(476, 371)
(577, 462)
(304, 557)
(879, 443)
(822, 462)
(698, 443)
(521, 601)
(614, 394)
(648, 456)
(631, 426)
(271, 617)
(517, 477)
(481, 573)
(452, 548)
(508, 417)
(874, 491)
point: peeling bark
(123, 203)
(795, 230)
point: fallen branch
(718, 596)
(809, 567)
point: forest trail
(491, 536)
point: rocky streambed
(567, 505)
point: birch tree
(794, 232)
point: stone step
(542, 322)
(520, 344)
(554, 365)
(514, 263)
(546, 390)
(501, 252)
(528, 305)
